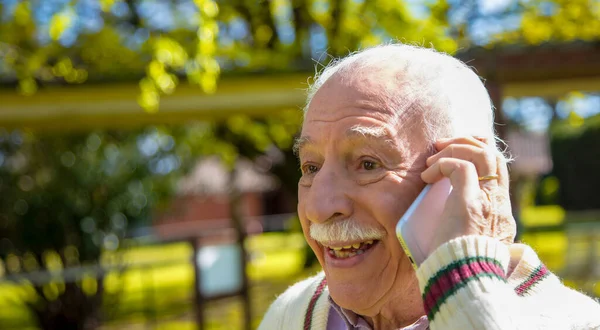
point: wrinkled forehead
(382, 95)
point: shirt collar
(355, 321)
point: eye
(369, 165)
(310, 169)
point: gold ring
(487, 177)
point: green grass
(551, 247)
(276, 259)
(562, 253)
(538, 216)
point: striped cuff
(455, 264)
(537, 275)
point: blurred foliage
(69, 197)
(82, 189)
(576, 157)
(547, 190)
(523, 22)
(162, 42)
(54, 41)
(557, 20)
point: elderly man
(379, 125)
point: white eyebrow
(368, 131)
(299, 143)
(374, 133)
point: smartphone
(416, 227)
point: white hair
(451, 98)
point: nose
(328, 197)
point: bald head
(434, 90)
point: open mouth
(349, 251)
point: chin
(358, 283)
(361, 297)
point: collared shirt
(343, 319)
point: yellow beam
(551, 88)
(115, 105)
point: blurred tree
(574, 144)
(67, 198)
(160, 42)
(556, 21)
(532, 22)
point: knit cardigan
(464, 286)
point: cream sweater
(464, 286)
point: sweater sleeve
(464, 286)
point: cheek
(301, 204)
(305, 223)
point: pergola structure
(93, 106)
(547, 71)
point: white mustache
(344, 231)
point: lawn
(568, 246)
(162, 295)
(546, 216)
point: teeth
(345, 254)
(337, 251)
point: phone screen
(416, 227)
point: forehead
(378, 98)
(346, 95)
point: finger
(485, 162)
(462, 175)
(505, 227)
(470, 140)
(502, 170)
